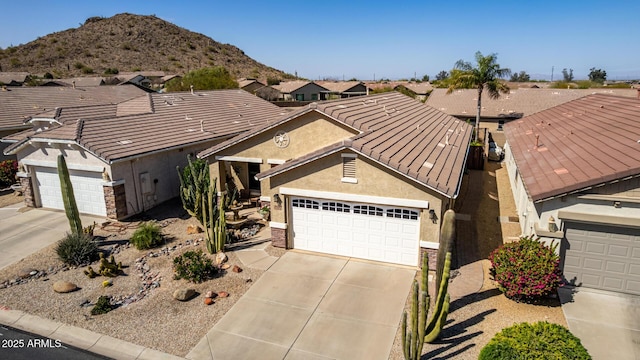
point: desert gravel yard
(157, 320)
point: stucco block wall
(164, 183)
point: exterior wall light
(277, 199)
(433, 216)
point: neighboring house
(123, 157)
(300, 90)
(343, 89)
(250, 85)
(517, 103)
(82, 81)
(576, 168)
(14, 78)
(420, 90)
(367, 177)
(19, 104)
(268, 93)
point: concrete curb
(80, 338)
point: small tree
(442, 75)
(210, 78)
(567, 75)
(522, 76)
(425, 78)
(597, 75)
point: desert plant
(148, 235)
(214, 222)
(526, 269)
(8, 171)
(108, 268)
(66, 188)
(103, 306)
(194, 182)
(541, 340)
(193, 266)
(447, 238)
(77, 249)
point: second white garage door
(87, 188)
(366, 231)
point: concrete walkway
(607, 323)
(24, 233)
(313, 307)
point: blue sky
(385, 39)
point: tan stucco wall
(325, 174)
(161, 166)
(307, 133)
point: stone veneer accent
(116, 200)
(433, 257)
(27, 191)
(279, 238)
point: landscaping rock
(223, 294)
(208, 301)
(64, 287)
(236, 269)
(225, 266)
(184, 294)
(209, 294)
(25, 273)
(193, 229)
(220, 258)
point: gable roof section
(13, 77)
(419, 88)
(19, 104)
(339, 86)
(287, 87)
(157, 122)
(404, 135)
(516, 104)
(582, 143)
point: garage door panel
(87, 188)
(357, 230)
(615, 269)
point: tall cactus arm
(439, 316)
(70, 206)
(405, 344)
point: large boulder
(64, 287)
(184, 294)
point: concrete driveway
(23, 233)
(313, 307)
(607, 323)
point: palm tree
(485, 75)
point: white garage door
(366, 231)
(602, 257)
(87, 188)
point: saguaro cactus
(447, 237)
(413, 339)
(70, 206)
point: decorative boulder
(193, 229)
(223, 294)
(25, 273)
(236, 269)
(64, 287)
(208, 301)
(184, 294)
(209, 294)
(220, 258)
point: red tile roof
(415, 140)
(576, 145)
(156, 122)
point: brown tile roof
(339, 86)
(246, 82)
(418, 88)
(115, 132)
(415, 140)
(9, 77)
(516, 104)
(18, 104)
(83, 81)
(287, 87)
(581, 143)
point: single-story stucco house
(342, 89)
(367, 177)
(575, 176)
(19, 104)
(300, 90)
(123, 157)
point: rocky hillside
(128, 42)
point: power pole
(552, 73)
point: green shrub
(8, 171)
(193, 266)
(103, 306)
(541, 340)
(148, 235)
(77, 249)
(526, 269)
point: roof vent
(561, 171)
(125, 142)
(428, 165)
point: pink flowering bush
(526, 270)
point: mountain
(129, 42)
